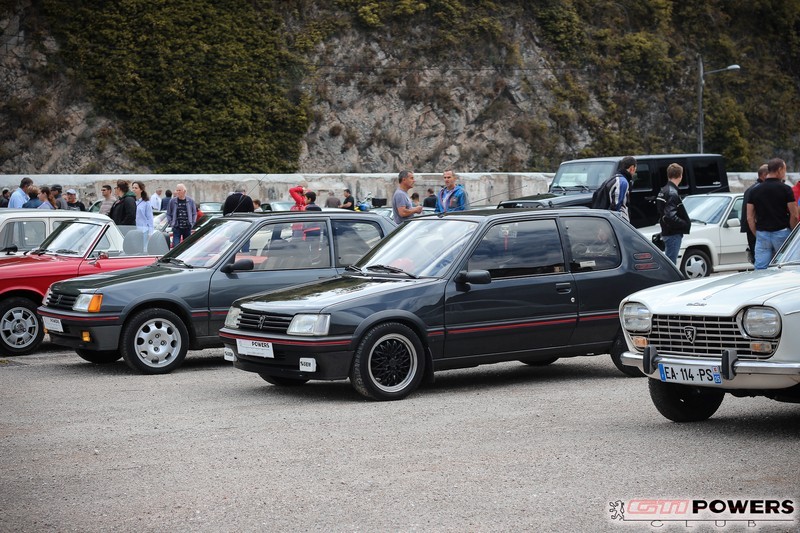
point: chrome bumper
(731, 365)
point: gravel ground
(496, 448)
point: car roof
(514, 213)
(49, 213)
(642, 157)
(327, 213)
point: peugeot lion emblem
(261, 320)
(690, 332)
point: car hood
(725, 295)
(32, 264)
(144, 274)
(345, 291)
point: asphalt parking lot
(495, 448)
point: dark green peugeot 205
(452, 291)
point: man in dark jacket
(238, 202)
(123, 212)
(672, 215)
(745, 227)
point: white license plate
(256, 348)
(53, 324)
(698, 375)
(228, 354)
(308, 364)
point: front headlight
(762, 322)
(309, 325)
(636, 317)
(88, 303)
(232, 320)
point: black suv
(576, 180)
(152, 315)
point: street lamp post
(701, 75)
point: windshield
(789, 252)
(210, 243)
(582, 175)
(707, 209)
(421, 248)
(73, 238)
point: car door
(595, 259)
(528, 307)
(732, 241)
(283, 254)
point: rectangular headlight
(232, 320)
(636, 317)
(309, 325)
(762, 322)
(88, 303)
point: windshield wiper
(179, 262)
(392, 269)
(353, 268)
(66, 251)
(789, 263)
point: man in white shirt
(155, 199)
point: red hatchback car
(75, 248)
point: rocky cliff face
(46, 124)
(371, 116)
(370, 113)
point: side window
(644, 178)
(354, 238)
(736, 212)
(519, 249)
(289, 246)
(706, 174)
(28, 234)
(593, 244)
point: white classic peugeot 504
(700, 339)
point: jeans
(672, 245)
(179, 234)
(767, 244)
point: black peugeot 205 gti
(452, 291)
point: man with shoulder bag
(672, 215)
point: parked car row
(300, 296)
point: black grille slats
(264, 322)
(61, 301)
(701, 336)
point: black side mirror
(241, 264)
(10, 249)
(478, 277)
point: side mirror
(10, 249)
(733, 223)
(241, 264)
(478, 277)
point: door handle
(563, 288)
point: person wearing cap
(4, 197)
(61, 202)
(72, 201)
(238, 202)
(20, 196)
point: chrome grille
(264, 322)
(701, 336)
(61, 301)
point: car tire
(98, 357)
(389, 362)
(154, 341)
(617, 348)
(21, 328)
(695, 264)
(281, 381)
(683, 403)
(540, 362)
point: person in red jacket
(298, 195)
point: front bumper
(332, 358)
(736, 374)
(103, 331)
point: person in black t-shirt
(771, 212)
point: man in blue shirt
(452, 197)
(20, 196)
